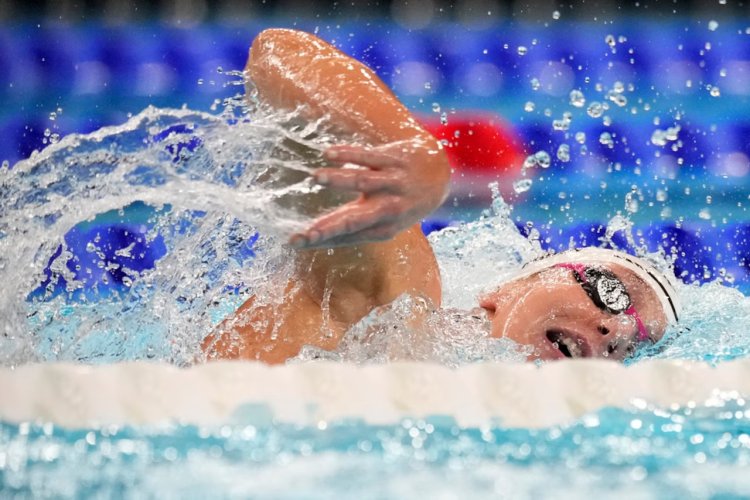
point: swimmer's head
(590, 302)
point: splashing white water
(205, 184)
(216, 194)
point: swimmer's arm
(380, 251)
(328, 293)
(292, 68)
(404, 175)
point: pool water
(700, 451)
(136, 239)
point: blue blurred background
(643, 68)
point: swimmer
(366, 253)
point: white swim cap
(664, 285)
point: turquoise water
(701, 451)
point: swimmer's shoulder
(413, 268)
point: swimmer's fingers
(361, 180)
(375, 159)
(348, 220)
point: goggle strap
(642, 330)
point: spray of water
(210, 192)
(210, 198)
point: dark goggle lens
(606, 290)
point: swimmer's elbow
(267, 42)
(276, 63)
(277, 44)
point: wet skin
(366, 253)
(551, 312)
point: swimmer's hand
(399, 184)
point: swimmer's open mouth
(569, 344)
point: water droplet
(595, 109)
(611, 41)
(723, 72)
(542, 159)
(661, 195)
(200, 81)
(618, 99)
(556, 15)
(580, 137)
(712, 25)
(529, 106)
(443, 118)
(535, 84)
(606, 139)
(577, 98)
(529, 162)
(562, 124)
(631, 202)
(638, 473)
(661, 137)
(427, 86)
(715, 91)
(563, 153)
(704, 214)
(435, 107)
(522, 185)
(672, 132)
(522, 50)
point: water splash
(211, 197)
(205, 187)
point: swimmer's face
(552, 313)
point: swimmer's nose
(612, 330)
(488, 303)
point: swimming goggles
(607, 292)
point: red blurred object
(482, 149)
(479, 143)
